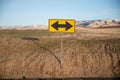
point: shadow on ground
(35, 41)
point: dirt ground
(87, 53)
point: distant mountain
(21, 27)
(32, 27)
(98, 23)
(87, 23)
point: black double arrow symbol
(67, 25)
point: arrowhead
(68, 26)
(55, 25)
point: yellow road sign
(61, 25)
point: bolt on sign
(61, 25)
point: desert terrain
(87, 53)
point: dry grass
(36, 53)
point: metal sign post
(61, 25)
(61, 47)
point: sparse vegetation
(24, 33)
(32, 53)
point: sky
(38, 12)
